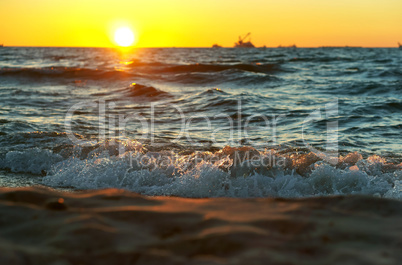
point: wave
(194, 73)
(243, 79)
(228, 172)
(213, 91)
(138, 90)
(35, 161)
(11, 126)
(389, 106)
(255, 68)
(322, 59)
(390, 73)
(363, 88)
(135, 90)
(63, 72)
(16, 138)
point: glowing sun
(124, 37)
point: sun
(124, 37)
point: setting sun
(124, 37)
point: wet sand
(44, 226)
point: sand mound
(43, 226)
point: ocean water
(283, 122)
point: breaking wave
(228, 172)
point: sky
(201, 23)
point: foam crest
(229, 172)
(205, 174)
(35, 161)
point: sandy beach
(44, 226)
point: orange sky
(201, 23)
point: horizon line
(195, 47)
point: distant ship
(216, 46)
(400, 45)
(1, 45)
(241, 44)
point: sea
(203, 122)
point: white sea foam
(170, 174)
(210, 179)
(35, 160)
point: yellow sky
(201, 23)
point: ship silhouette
(242, 44)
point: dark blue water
(174, 121)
